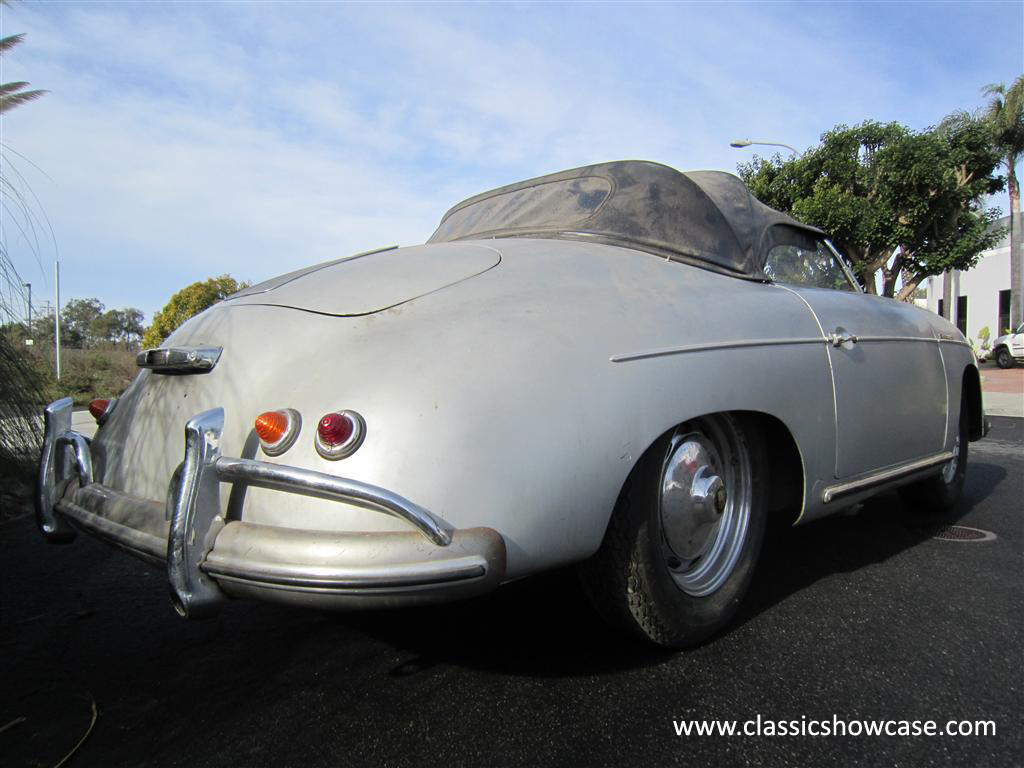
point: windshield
(816, 267)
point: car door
(887, 371)
(1017, 342)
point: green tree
(897, 203)
(1006, 116)
(188, 302)
(132, 326)
(79, 321)
(42, 330)
(108, 327)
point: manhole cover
(963, 533)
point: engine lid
(375, 281)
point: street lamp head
(740, 143)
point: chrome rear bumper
(209, 558)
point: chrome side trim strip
(928, 339)
(833, 492)
(742, 344)
(179, 359)
(309, 482)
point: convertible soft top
(708, 218)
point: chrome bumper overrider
(209, 558)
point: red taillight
(335, 428)
(339, 434)
(99, 407)
(277, 430)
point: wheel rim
(704, 506)
(949, 471)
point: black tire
(1003, 358)
(938, 494)
(631, 581)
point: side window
(815, 268)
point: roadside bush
(90, 373)
(21, 389)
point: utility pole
(56, 315)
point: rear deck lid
(375, 281)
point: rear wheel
(685, 535)
(940, 493)
(1003, 358)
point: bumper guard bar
(193, 499)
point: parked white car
(1009, 348)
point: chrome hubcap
(704, 508)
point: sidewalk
(1003, 390)
(83, 422)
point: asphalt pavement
(862, 616)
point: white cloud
(188, 140)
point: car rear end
(177, 473)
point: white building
(981, 296)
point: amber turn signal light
(277, 430)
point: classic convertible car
(621, 366)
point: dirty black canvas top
(708, 218)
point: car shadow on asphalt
(885, 526)
(543, 626)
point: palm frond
(10, 101)
(7, 43)
(993, 89)
(6, 88)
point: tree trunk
(910, 283)
(1016, 289)
(947, 295)
(867, 281)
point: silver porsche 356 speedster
(621, 366)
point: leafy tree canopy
(189, 301)
(84, 323)
(894, 201)
(80, 318)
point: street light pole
(29, 286)
(740, 143)
(56, 316)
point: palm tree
(1006, 115)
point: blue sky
(185, 140)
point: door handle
(840, 337)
